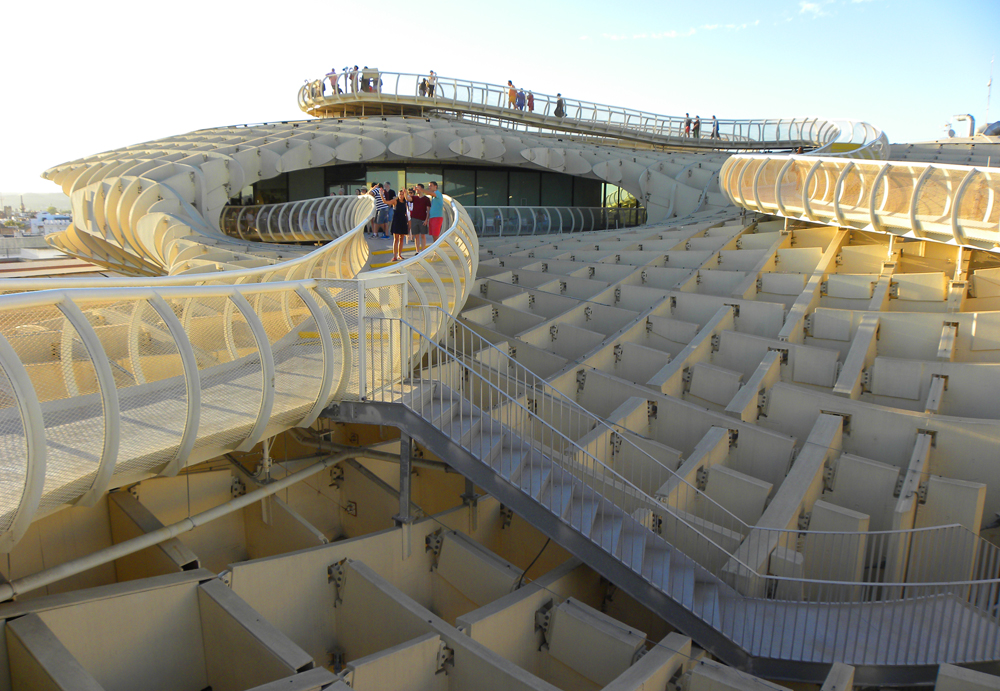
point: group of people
(354, 79)
(692, 128)
(517, 99)
(417, 211)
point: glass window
(491, 188)
(417, 174)
(525, 187)
(557, 190)
(393, 176)
(460, 184)
(587, 192)
(272, 191)
(305, 184)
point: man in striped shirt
(380, 224)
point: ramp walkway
(395, 93)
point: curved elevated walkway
(395, 93)
(940, 202)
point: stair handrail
(650, 502)
(981, 545)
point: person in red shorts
(437, 210)
(418, 218)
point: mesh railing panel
(13, 451)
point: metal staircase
(513, 435)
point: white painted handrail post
(192, 382)
(33, 424)
(267, 370)
(362, 342)
(109, 400)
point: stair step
(656, 563)
(632, 544)
(583, 508)
(558, 491)
(533, 470)
(486, 445)
(706, 603)
(682, 582)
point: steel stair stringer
(526, 507)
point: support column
(404, 518)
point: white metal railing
(941, 202)
(493, 99)
(505, 221)
(308, 220)
(114, 380)
(944, 579)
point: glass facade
(471, 186)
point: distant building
(44, 223)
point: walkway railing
(119, 379)
(506, 221)
(462, 95)
(947, 203)
(849, 604)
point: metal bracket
(807, 325)
(445, 656)
(532, 405)
(734, 438)
(433, 542)
(562, 287)
(618, 294)
(686, 379)
(506, 515)
(932, 433)
(553, 332)
(618, 350)
(336, 476)
(545, 267)
(643, 274)
(514, 278)
(581, 380)
(588, 313)
(649, 326)
(701, 479)
(651, 410)
(899, 484)
(922, 492)
(894, 289)
(496, 314)
(237, 488)
(484, 288)
(513, 352)
(134, 490)
(337, 575)
(716, 343)
(762, 403)
(866, 379)
(829, 473)
(531, 255)
(824, 288)
(804, 519)
(616, 443)
(591, 270)
(760, 283)
(736, 308)
(531, 299)
(543, 617)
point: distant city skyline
(111, 79)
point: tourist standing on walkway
(381, 210)
(560, 106)
(431, 83)
(332, 76)
(353, 74)
(400, 226)
(437, 211)
(389, 195)
(418, 218)
(687, 124)
(511, 94)
(531, 102)
(715, 127)
(519, 104)
(696, 130)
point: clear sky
(82, 78)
